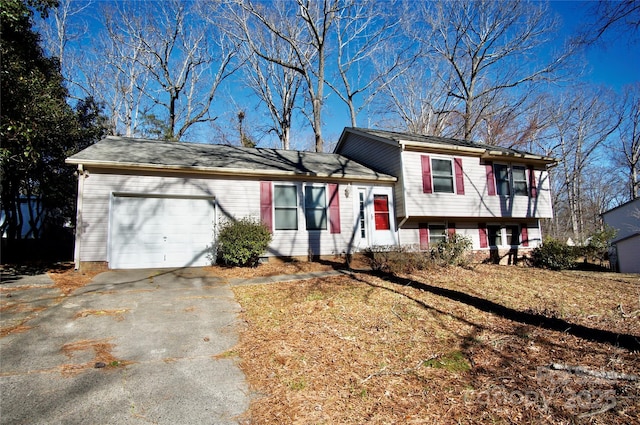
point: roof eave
(440, 147)
(227, 171)
(354, 130)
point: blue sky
(614, 61)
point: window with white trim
(442, 175)
(519, 176)
(501, 171)
(315, 207)
(511, 179)
(437, 234)
(285, 206)
(513, 235)
(499, 235)
(495, 235)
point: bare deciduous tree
(581, 123)
(276, 86)
(489, 48)
(285, 20)
(372, 51)
(418, 100)
(65, 25)
(609, 15)
(156, 66)
(627, 144)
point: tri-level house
(495, 196)
(144, 203)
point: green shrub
(598, 246)
(554, 255)
(241, 242)
(452, 251)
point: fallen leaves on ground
(67, 279)
(277, 267)
(361, 349)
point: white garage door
(160, 232)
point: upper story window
(502, 179)
(510, 180)
(519, 176)
(285, 204)
(442, 173)
(315, 207)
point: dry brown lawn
(443, 346)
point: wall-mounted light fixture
(347, 190)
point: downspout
(78, 238)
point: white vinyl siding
(233, 197)
(476, 202)
(379, 156)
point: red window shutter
(459, 176)
(266, 201)
(533, 189)
(424, 236)
(334, 208)
(451, 230)
(426, 174)
(491, 182)
(484, 240)
(524, 235)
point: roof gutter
(489, 154)
(225, 171)
(439, 147)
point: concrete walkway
(287, 277)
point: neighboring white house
(625, 219)
(144, 203)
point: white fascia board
(227, 171)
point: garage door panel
(160, 232)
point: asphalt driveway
(160, 339)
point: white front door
(160, 232)
(376, 219)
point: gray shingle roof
(130, 153)
(444, 141)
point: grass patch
(454, 361)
